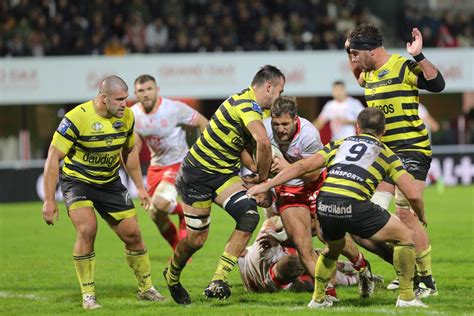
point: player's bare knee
(132, 238)
(243, 210)
(87, 232)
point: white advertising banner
(211, 75)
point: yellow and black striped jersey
(356, 165)
(92, 144)
(219, 146)
(392, 88)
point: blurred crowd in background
(119, 27)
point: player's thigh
(297, 221)
(394, 231)
(231, 186)
(84, 220)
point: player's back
(219, 146)
(392, 88)
(356, 165)
(93, 143)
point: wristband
(419, 57)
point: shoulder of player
(80, 114)
(307, 134)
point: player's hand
(50, 212)
(251, 179)
(145, 200)
(256, 189)
(414, 48)
(278, 164)
(267, 240)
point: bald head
(112, 84)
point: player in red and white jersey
(159, 121)
(268, 266)
(294, 138)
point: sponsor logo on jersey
(383, 73)
(256, 107)
(237, 141)
(117, 125)
(106, 159)
(64, 126)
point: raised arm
(358, 74)
(431, 78)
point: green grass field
(38, 277)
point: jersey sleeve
(411, 73)
(249, 112)
(186, 114)
(130, 141)
(327, 152)
(65, 136)
(395, 168)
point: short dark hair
(144, 78)
(365, 37)
(338, 83)
(285, 105)
(371, 121)
(267, 73)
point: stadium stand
(119, 27)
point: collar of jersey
(387, 65)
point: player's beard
(148, 105)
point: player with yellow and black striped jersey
(92, 139)
(355, 166)
(210, 173)
(391, 84)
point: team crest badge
(97, 126)
(383, 73)
(117, 125)
(256, 107)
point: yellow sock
(85, 268)
(423, 262)
(404, 264)
(226, 264)
(173, 273)
(140, 263)
(325, 268)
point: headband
(362, 42)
